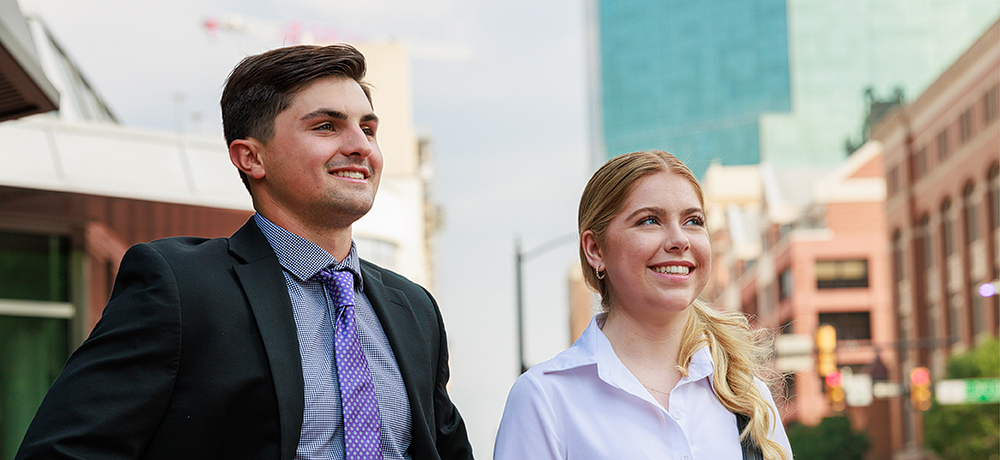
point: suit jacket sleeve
(114, 389)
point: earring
(600, 274)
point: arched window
(993, 196)
(971, 217)
(947, 229)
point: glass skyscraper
(783, 81)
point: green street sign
(967, 391)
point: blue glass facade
(692, 77)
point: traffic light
(835, 390)
(920, 388)
(826, 350)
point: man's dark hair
(264, 85)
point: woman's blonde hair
(737, 351)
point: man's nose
(356, 142)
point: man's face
(323, 164)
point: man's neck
(334, 240)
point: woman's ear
(592, 249)
(246, 156)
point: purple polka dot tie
(362, 425)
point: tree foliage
(968, 431)
(832, 439)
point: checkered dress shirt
(322, 435)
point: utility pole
(520, 257)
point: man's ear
(246, 155)
(591, 249)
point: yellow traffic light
(826, 350)
(835, 391)
(920, 388)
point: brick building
(942, 155)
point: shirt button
(678, 415)
(686, 457)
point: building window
(971, 216)
(924, 243)
(931, 320)
(942, 144)
(34, 267)
(378, 251)
(751, 307)
(954, 308)
(834, 274)
(993, 197)
(947, 229)
(918, 166)
(893, 181)
(897, 257)
(765, 302)
(990, 104)
(785, 284)
(976, 304)
(34, 326)
(965, 126)
(850, 326)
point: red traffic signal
(834, 379)
(920, 388)
(835, 390)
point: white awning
(41, 152)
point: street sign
(793, 344)
(794, 363)
(793, 352)
(967, 391)
(886, 390)
(859, 389)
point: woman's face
(656, 250)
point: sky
(503, 100)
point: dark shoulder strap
(751, 451)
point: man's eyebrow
(324, 113)
(337, 115)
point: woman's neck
(648, 346)
(644, 334)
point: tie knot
(340, 283)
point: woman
(658, 374)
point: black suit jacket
(196, 356)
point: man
(224, 348)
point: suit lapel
(264, 286)
(411, 348)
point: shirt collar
(303, 258)
(593, 347)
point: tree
(832, 439)
(967, 431)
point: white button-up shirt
(584, 404)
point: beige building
(942, 156)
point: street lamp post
(520, 257)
